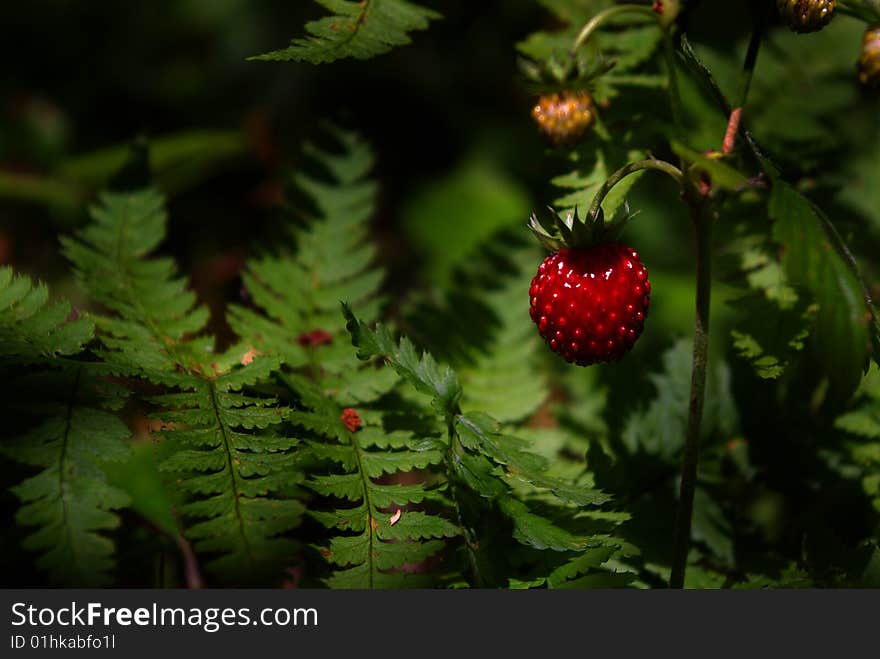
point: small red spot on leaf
(351, 419)
(314, 338)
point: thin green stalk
(690, 460)
(594, 23)
(752, 56)
(632, 168)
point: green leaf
(592, 169)
(357, 29)
(421, 371)
(659, 429)
(296, 294)
(233, 466)
(769, 347)
(720, 173)
(70, 499)
(539, 532)
(711, 526)
(31, 329)
(843, 324)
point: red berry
(590, 303)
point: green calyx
(572, 231)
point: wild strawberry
(564, 118)
(806, 15)
(589, 298)
(869, 60)
(590, 303)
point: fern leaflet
(357, 29)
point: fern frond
(379, 534)
(479, 455)
(68, 498)
(232, 464)
(297, 296)
(357, 29)
(154, 311)
(380, 530)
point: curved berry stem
(594, 23)
(690, 461)
(633, 167)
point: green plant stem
(594, 23)
(690, 460)
(633, 167)
(751, 60)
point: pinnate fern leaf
(379, 529)
(360, 30)
(68, 499)
(296, 294)
(231, 462)
(479, 455)
(379, 532)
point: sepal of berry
(569, 230)
(804, 16)
(869, 59)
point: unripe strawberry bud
(566, 117)
(806, 15)
(869, 60)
